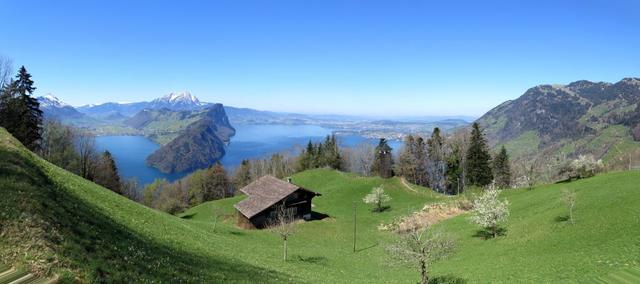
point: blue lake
(250, 142)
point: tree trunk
(285, 249)
(495, 231)
(571, 214)
(423, 272)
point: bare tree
(6, 69)
(85, 142)
(530, 175)
(420, 248)
(360, 159)
(283, 225)
(131, 190)
(461, 141)
(569, 199)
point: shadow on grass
(447, 279)
(318, 260)
(316, 216)
(97, 248)
(237, 233)
(562, 219)
(488, 234)
(188, 216)
(366, 248)
(382, 209)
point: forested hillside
(552, 123)
(199, 145)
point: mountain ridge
(199, 145)
(564, 121)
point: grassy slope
(80, 229)
(51, 214)
(322, 250)
(540, 246)
(52, 218)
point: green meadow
(55, 222)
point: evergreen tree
(306, 158)
(478, 158)
(420, 156)
(383, 161)
(318, 157)
(107, 173)
(324, 154)
(407, 160)
(332, 158)
(501, 169)
(454, 171)
(20, 113)
(436, 166)
(243, 175)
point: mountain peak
(50, 100)
(631, 81)
(183, 97)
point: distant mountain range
(192, 134)
(555, 122)
(173, 101)
(177, 122)
(55, 108)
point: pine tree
(407, 163)
(318, 157)
(305, 160)
(20, 113)
(107, 173)
(478, 158)
(420, 156)
(383, 161)
(332, 158)
(454, 171)
(437, 167)
(501, 169)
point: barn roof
(263, 193)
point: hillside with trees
(199, 145)
(549, 125)
(107, 228)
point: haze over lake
(250, 142)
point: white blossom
(377, 197)
(489, 211)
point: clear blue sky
(343, 57)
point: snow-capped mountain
(50, 100)
(172, 101)
(52, 107)
(177, 101)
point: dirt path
(404, 182)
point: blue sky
(344, 57)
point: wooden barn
(265, 194)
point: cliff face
(198, 146)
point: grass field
(53, 219)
